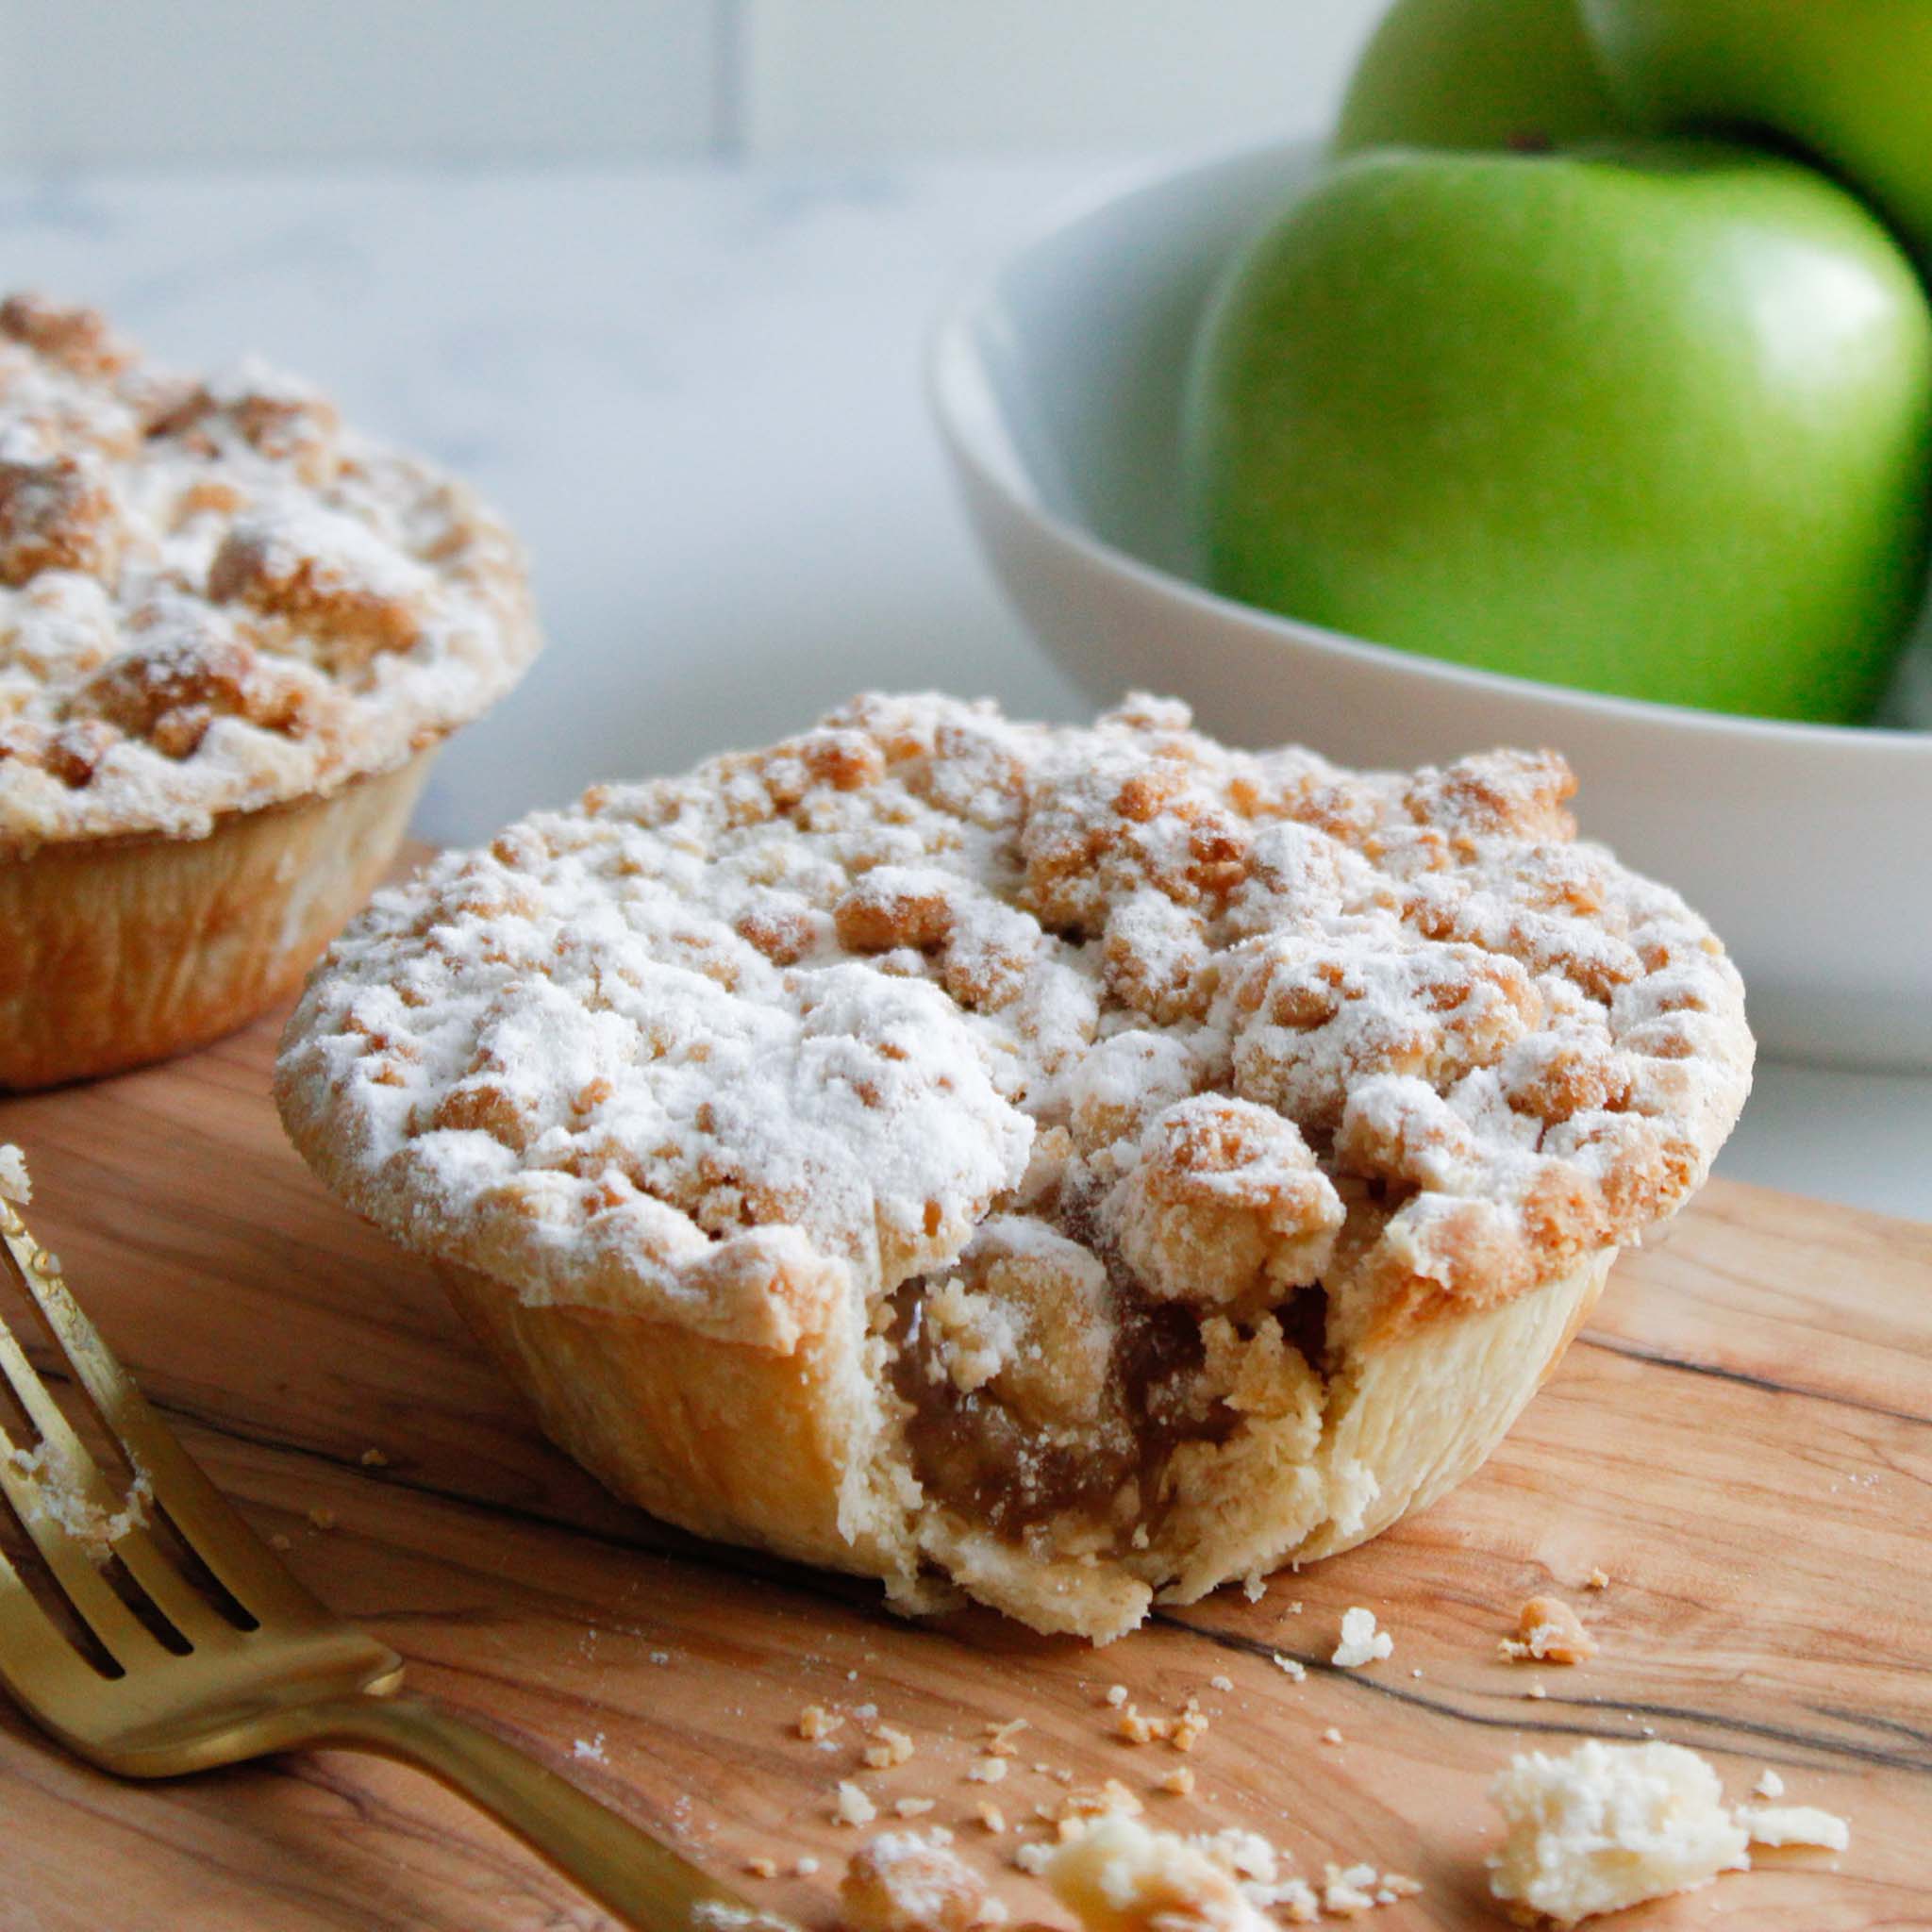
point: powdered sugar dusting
(713, 1045)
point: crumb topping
(816, 1723)
(714, 1047)
(850, 1804)
(59, 1486)
(1795, 1824)
(1361, 1642)
(214, 596)
(1119, 1875)
(909, 1881)
(889, 1746)
(1182, 1731)
(1608, 1826)
(1548, 1631)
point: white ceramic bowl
(1056, 383)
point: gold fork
(272, 1671)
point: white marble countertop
(695, 389)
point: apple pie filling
(1056, 1381)
(1057, 1423)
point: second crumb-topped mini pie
(231, 633)
(1074, 1164)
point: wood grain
(1743, 1438)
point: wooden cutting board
(1742, 1440)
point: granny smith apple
(1475, 73)
(1651, 418)
(1850, 80)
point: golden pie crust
(232, 632)
(1063, 1165)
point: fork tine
(234, 1555)
(48, 1676)
(73, 1565)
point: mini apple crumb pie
(1072, 1165)
(232, 633)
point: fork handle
(646, 1883)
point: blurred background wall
(142, 83)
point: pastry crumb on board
(909, 1881)
(1548, 1631)
(1361, 1642)
(1614, 1826)
(16, 1188)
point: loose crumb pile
(1119, 1875)
(916, 1881)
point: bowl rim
(952, 365)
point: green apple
(1850, 80)
(1651, 418)
(1475, 73)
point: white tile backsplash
(243, 82)
(246, 83)
(866, 76)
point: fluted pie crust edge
(124, 951)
